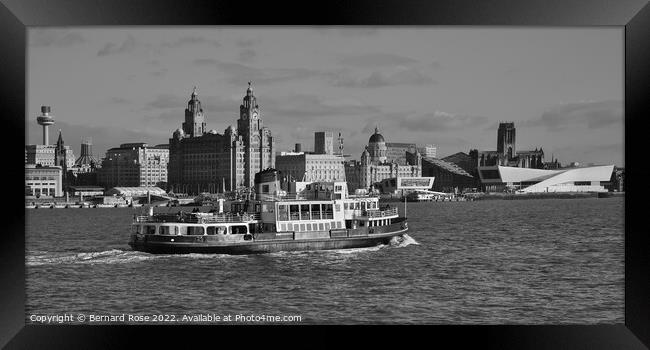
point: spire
(376, 129)
(194, 92)
(60, 140)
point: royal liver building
(206, 161)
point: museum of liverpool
(525, 180)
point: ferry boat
(316, 216)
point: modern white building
(525, 180)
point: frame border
(634, 15)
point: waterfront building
(428, 150)
(134, 164)
(396, 151)
(324, 142)
(405, 185)
(43, 181)
(500, 178)
(463, 161)
(449, 176)
(375, 167)
(506, 153)
(46, 155)
(206, 161)
(302, 166)
(84, 171)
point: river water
(546, 261)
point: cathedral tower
(506, 140)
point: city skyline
(563, 87)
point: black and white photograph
(324, 175)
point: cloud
(403, 76)
(190, 40)
(436, 65)
(297, 106)
(247, 42)
(593, 114)
(376, 59)
(439, 121)
(247, 55)
(119, 100)
(205, 61)
(166, 101)
(55, 38)
(159, 72)
(237, 73)
(128, 45)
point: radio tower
(46, 119)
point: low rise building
(43, 181)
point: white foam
(113, 256)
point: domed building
(374, 166)
(377, 147)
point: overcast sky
(563, 87)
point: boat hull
(202, 244)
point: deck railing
(198, 219)
(380, 213)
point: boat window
(363, 205)
(339, 224)
(327, 208)
(136, 229)
(294, 213)
(321, 226)
(302, 227)
(282, 212)
(333, 224)
(356, 206)
(361, 223)
(283, 227)
(149, 229)
(315, 211)
(345, 206)
(304, 212)
(337, 207)
(327, 226)
(238, 229)
(195, 230)
(164, 230)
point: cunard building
(206, 161)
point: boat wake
(113, 256)
(403, 241)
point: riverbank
(545, 195)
